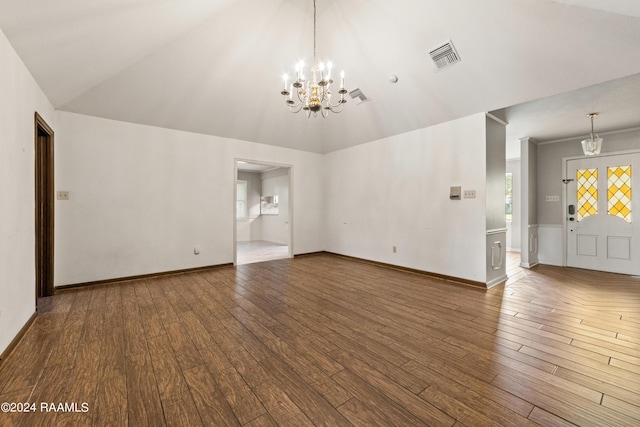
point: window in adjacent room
(508, 197)
(241, 199)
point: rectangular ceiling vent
(358, 96)
(444, 55)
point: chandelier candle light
(313, 95)
(591, 146)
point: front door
(601, 211)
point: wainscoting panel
(496, 246)
(551, 244)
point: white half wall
(394, 192)
(551, 246)
(20, 98)
(141, 198)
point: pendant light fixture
(591, 146)
(314, 95)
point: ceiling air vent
(444, 55)
(358, 96)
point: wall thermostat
(455, 193)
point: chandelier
(591, 146)
(314, 95)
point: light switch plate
(469, 194)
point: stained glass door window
(587, 192)
(619, 191)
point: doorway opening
(263, 212)
(44, 203)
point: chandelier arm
(291, 104)
(339, 104)
(323, 93)
(295, 108)
(300, 98)
(326, 95)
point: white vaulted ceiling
(215, 66)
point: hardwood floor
(324, 340)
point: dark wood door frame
(44, 215)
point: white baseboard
(497, 281)
(529, 265)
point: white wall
(528, 203)
(250, 228)
(514, 232)
(496, 237)
(141, 198)
(395, 192)
(275, 228)
(513, 227)
(20, 98)
(495, 170)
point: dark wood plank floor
(324, 340)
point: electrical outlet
(63, 195)
(469, 194)
(394, 249)
(196, 251)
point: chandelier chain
(592, 145)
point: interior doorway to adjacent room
(44, 202)
(263, 212)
